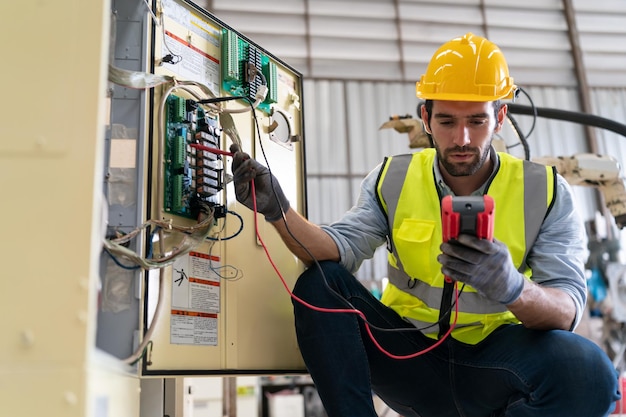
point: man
(500, 344)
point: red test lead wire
(212, 150)
(350, 310)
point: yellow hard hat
(469, 68)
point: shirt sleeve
(558, 256)
(362, 229)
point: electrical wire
(212, 103)
(136, 79)
(161, 229)
(147, 337)
(359, 313)
(145, 353)
(154, 18)
(192, 237)
(175, 58)
(146, 340)
(351, 309)
(260, 95)
(337, 295)
(238, 273)
(534, 110)
(518, 131)
(234, 234)
(520, 136)
(196, 233)
(120, 264)
(258, 98)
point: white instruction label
(196, 43)
(193, 328)
(195, 300)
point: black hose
(570, 116)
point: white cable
(154, 18)
(148, 335)
(258, 98)
(136, 79)
(192, 238)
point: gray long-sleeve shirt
(557, 257)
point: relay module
(193, 177)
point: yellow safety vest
(523, 192)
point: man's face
(462, 132)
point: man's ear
(424, 116)
(501, 117)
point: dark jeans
(514, 372)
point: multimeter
(471, 215)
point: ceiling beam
(581, 73)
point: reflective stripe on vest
(523, 192)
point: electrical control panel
(211, 276)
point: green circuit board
(192, 177)
(238, 57)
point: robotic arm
(599, 171)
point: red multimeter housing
(472, 215)
(469, 214)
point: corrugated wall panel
(527, 4)
(366, 29)
(611, 104)
(441, 13)
(325, 120)
(326, 197)
(599, 6)
(602, 30)
(393, 40)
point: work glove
(486, 266)
(270, 199)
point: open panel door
(225, 308)
(212, 302)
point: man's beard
(462, 169)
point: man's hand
(486, 266)
(270, 199)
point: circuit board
(192, 177)
(245, 68)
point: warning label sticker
(195, 300)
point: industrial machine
(181, 257)
(599, 171)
